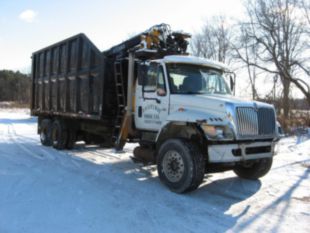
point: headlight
(214, 132)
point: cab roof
(196, 61)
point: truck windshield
(196, 79)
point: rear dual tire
(45, 132)
(71, 138)
(56, 134)
(59, 135)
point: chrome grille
(247, 121)
(252, 122)
(266, 121)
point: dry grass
(306, 165)
(297, 119)
(303, 199)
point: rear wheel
(59, 135)
(71, 139)
(180, 165)
(45, 132)
(253, 170)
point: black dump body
(68, 80)
(72, 79)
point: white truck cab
(187, 101)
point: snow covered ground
(96, 190)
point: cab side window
(161, 78)
(150, 84)
(160, 86)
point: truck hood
(211, 104)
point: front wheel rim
(173, 166)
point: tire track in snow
(12, 135)
(31, 149)
(14, 160)
(6, 152)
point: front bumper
(225, 153)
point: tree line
(271, 42)
(14, 86)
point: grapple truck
(147, 89)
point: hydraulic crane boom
(158, 41)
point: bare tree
(305, 6)
(278, 33)
(246, 50)
(213, 42)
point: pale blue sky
(28, 25)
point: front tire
(180, 165)
(254, 170)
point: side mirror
(232, 83)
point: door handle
(157, 100)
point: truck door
(152, 100)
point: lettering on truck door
(155, 100)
